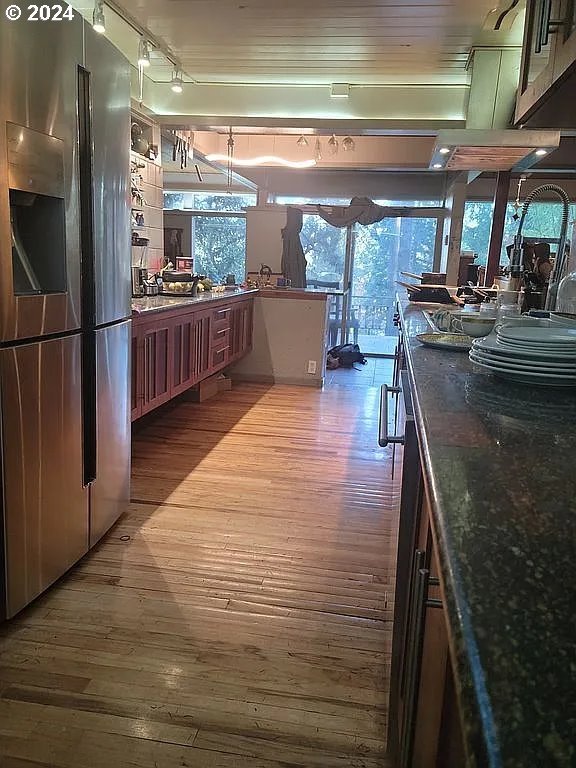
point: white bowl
(475, 325)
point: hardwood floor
(239, 615)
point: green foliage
(543, 220)
(381, 251)
(219, 244)
(207, 201)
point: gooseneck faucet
(516, 266)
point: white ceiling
(270, 63)
(361, 42)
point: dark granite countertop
(499, 460)
(147, 304)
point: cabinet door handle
(222, 332)
(418, 562)
(384, 438)
(415, 665)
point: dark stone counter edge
(184, 302)
(478, 725)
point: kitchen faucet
(516, 266)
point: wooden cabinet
(201, 347)
(241, 330)
(424, 725)
(136, 398)
(175, 349)
(156, 359)
(548, 61)
(151, 349)
(221, 323)
(190, 356)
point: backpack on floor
(346, 355)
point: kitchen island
(496, 460)
(179, 341)
(291, 327)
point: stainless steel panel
(110, 492)
(38, 72)
(35, 161)
(110, 86)
(45, 506)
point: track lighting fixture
(98, 20)
(333, 145)
(143, 52)
(176, 84)
(302, 141)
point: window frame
(489, 202)
(215, 193)
(192, 214)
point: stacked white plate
(545, 356)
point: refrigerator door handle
(89, 420)
(86, 193)
(85, 168)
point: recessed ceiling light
(541, 152)
(444, 150)
(437, 165)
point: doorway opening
(363, 264)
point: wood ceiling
(361, 42)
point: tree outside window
(543, 220)
(218, 242)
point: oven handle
(384, 438)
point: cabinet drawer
(221, 315)
(221, 333)
(220, 356)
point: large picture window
(217, 224)
(543, 220)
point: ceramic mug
(474, 325)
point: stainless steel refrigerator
(64, 299)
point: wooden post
(497, 229)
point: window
(543, 220)
(325, 249)
(219, 246)
(293, 200)
(217, 227)
(207, 201)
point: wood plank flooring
(239, 615)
